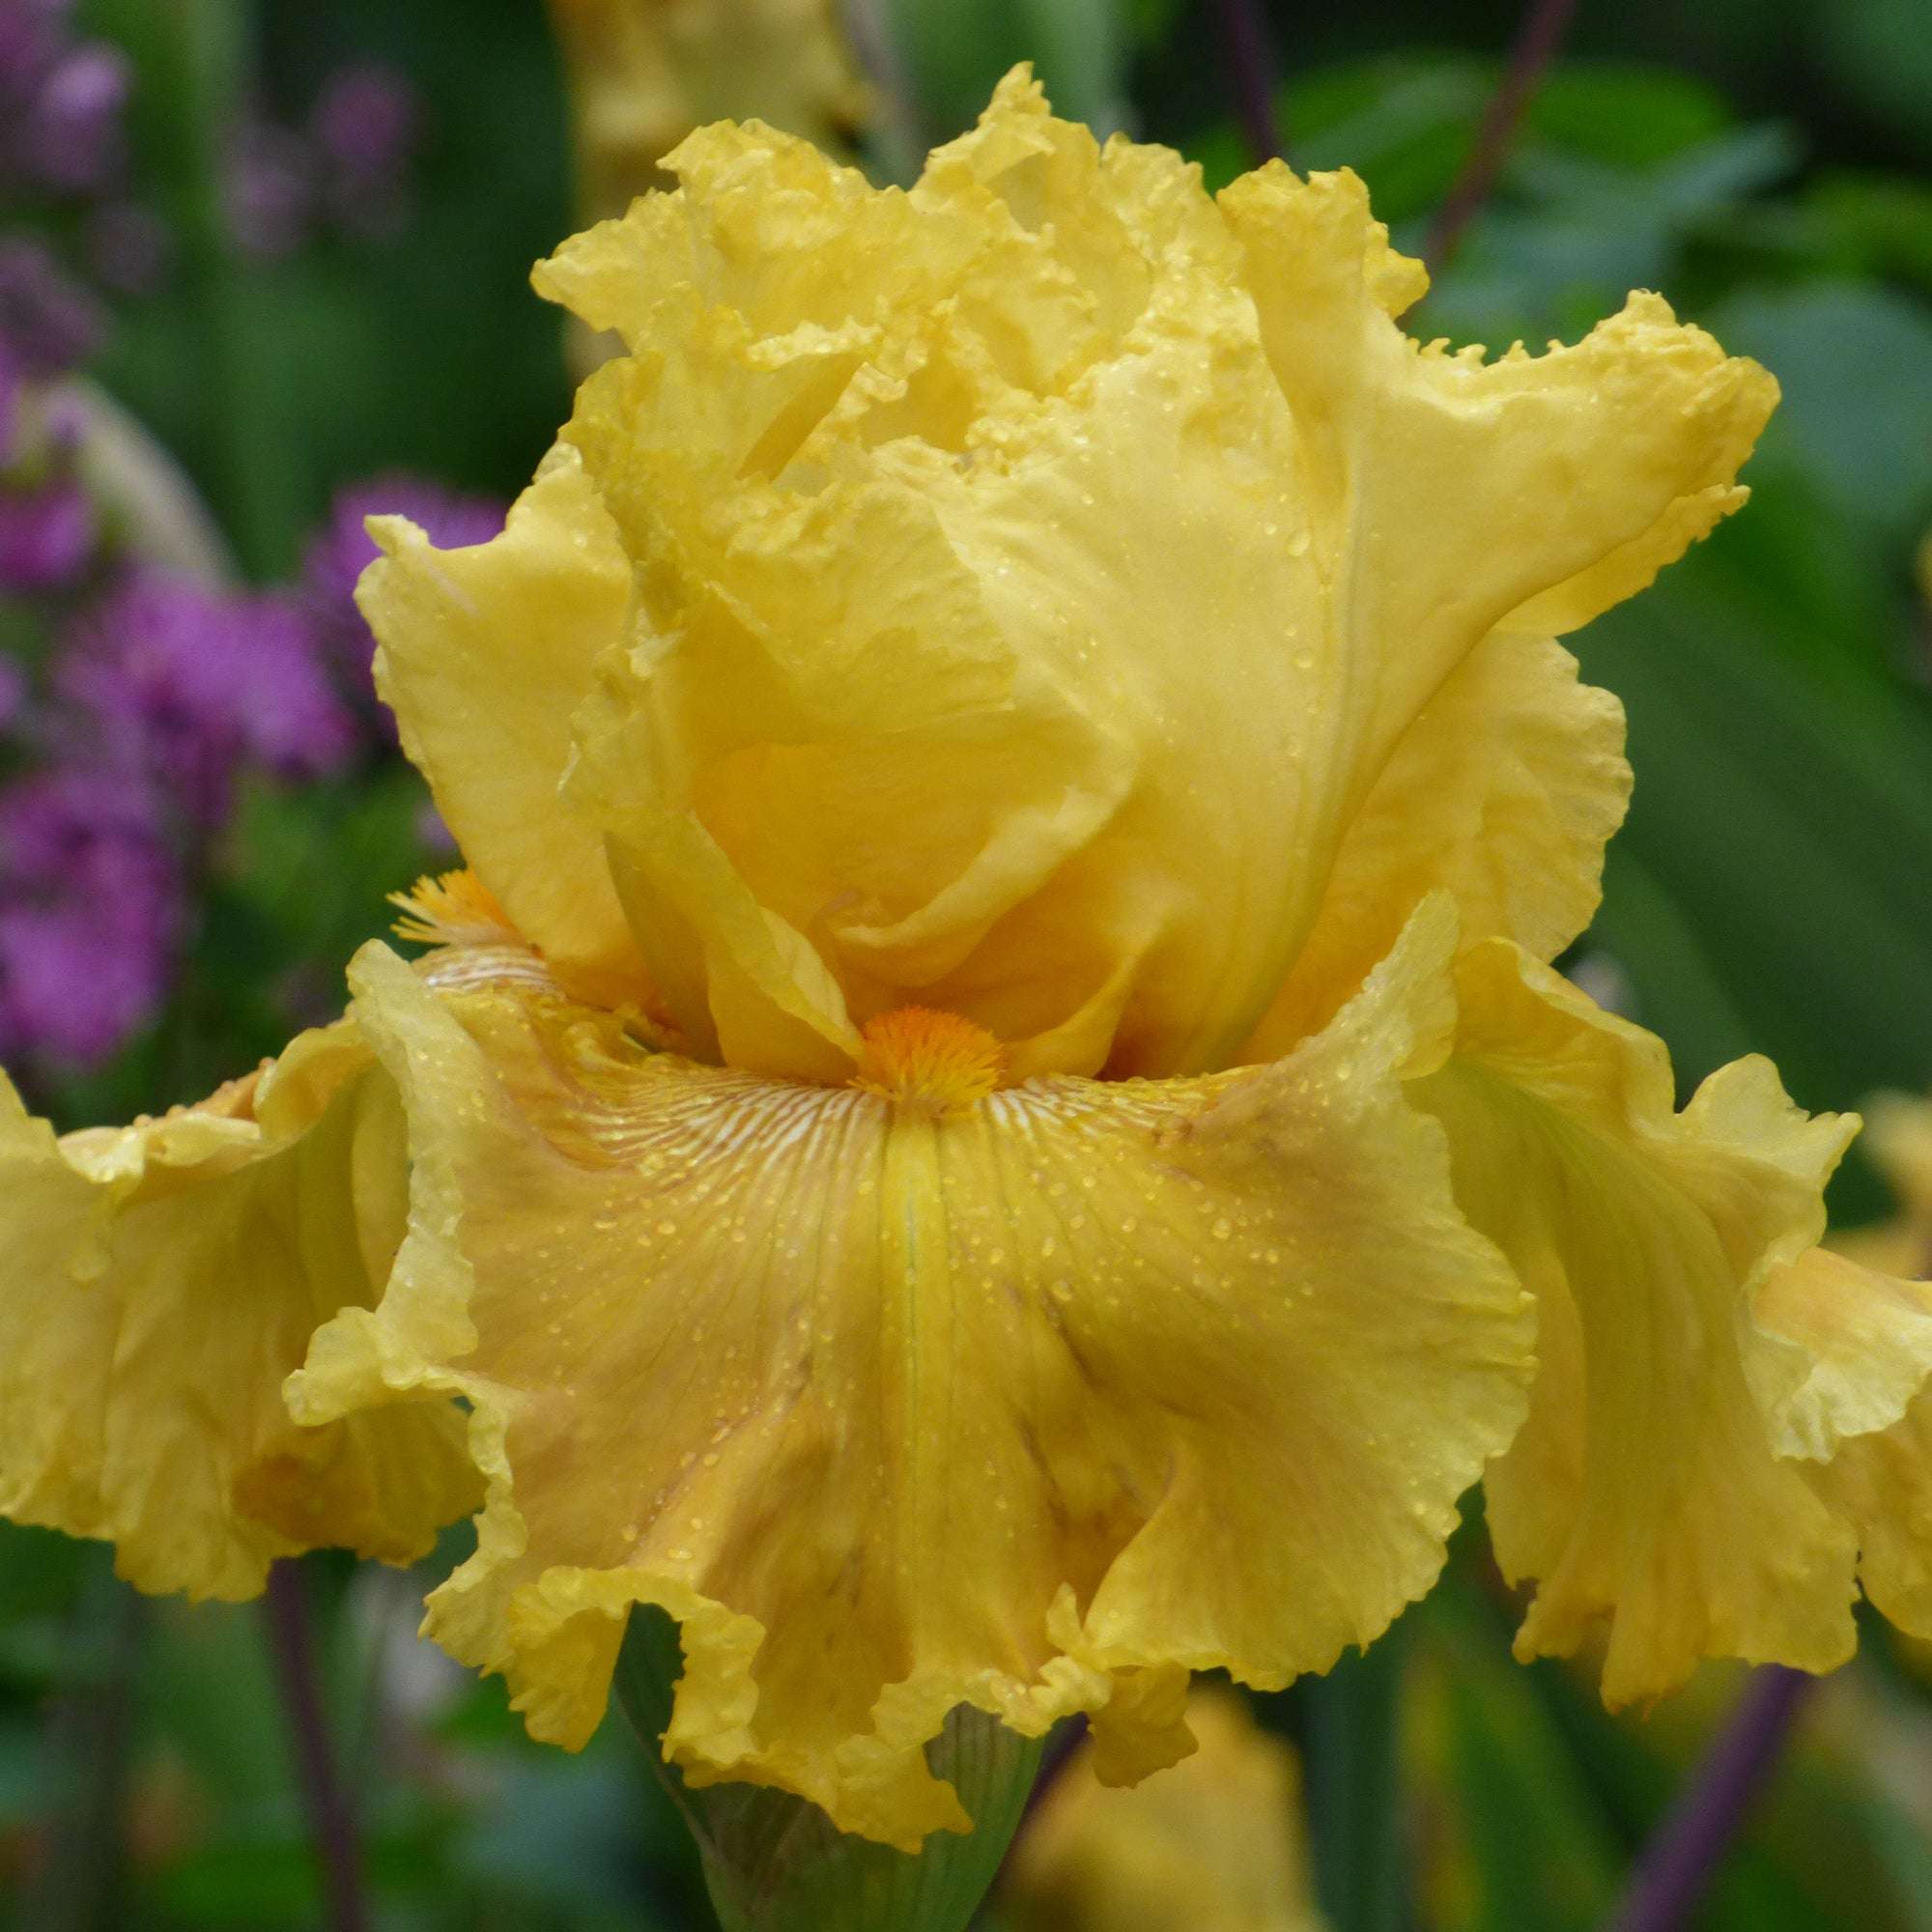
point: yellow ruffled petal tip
(929, 1062)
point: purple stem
(1543, 25)
(1689, 1847)
(332, 1820)
(1249, 61)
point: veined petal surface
(161, 1282)
(1503, 791)
(1660, 1487)
(1036, 1406)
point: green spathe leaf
(775, 1863)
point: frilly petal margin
(1686, 1364)
(1863, 1415)
(1033, 1408)
(161, 1280)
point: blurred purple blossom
(183, 686)
(364, 124)
(342, 550)
(47, 536)
(128, 247)
(71, 135)
(15, 690)
(271, 188)
(347, 168)
(12, 381)
(61, 102)
(47, 320)
(91, 913)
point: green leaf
(1348, 1722)
(956, 54)
(1861, 441)
(1536, 1849)
(1623, 114)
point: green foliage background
(1763, 164)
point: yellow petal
(484, 654)
(161, 1282)
(1033, 1404)
(1214, 1844)
(1864, 1413)
(1455, 496)
(644, 74)
(1503, 792)
(1648, 1490)
(1034, 573)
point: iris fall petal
(161, 1282)
(1658, 1485)
(1034, 1406)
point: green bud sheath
(775, 1863)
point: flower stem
(1248, 61)
(77, 1887)
(1540, 32)
(331, 1819)
(1689, 1846)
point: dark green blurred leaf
(316, 865)
(1348, 1724)
(562, 1831)
(956, 54)
(207, 1689)
(1861, 223)
(1625, 116)
(1537, 1851)
(1856, 366)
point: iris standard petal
(1503, 792)
(485, 654)
(1114, 548)
(1034, 1405)
(163, 1280)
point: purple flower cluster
(156, 695)
(345, 169)
(90, 913)
(182, 688)
(59, 103)
(62, 101)
(140, 699)
(49, 323)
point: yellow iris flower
(1213, 1844)
(991, 1126)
